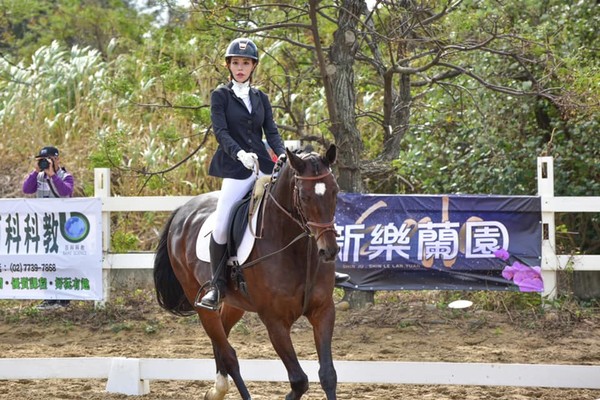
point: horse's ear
(331, 154)
(296, 162)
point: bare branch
(169, 105)
(448, 8)
(322, 60)
(264, 28)
(546, 93)
(435, 79)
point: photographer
(49, 180)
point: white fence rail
(551, 262)
(132, 376)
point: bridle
(302, 221)
(305, 222)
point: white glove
(247, 159)
(281, 160)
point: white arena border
(132, 376)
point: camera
(43, 163)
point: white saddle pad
(243, 251)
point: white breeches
(232, 190)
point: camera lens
(43, 164)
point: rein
(329, 226)
(305, 225)
(305, 232)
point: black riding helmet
(242, 47)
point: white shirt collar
(241, 90)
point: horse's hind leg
(217, 328)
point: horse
(288, 274)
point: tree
(28, 24)
(418, 95)
(413, 54)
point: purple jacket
(60, 185)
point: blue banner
(435, 242)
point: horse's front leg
(323, 320)
(282, 343)
(220, 388)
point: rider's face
(241, 68)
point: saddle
(238, 228)
(238, 220)
(241, 212)
(241, 231)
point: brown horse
(289, 273)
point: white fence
(551, 262)
(132, 376)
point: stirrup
(209, 304)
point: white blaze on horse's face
(320, 189)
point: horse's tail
(169, 292)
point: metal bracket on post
(548, 263)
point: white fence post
(545, 182)
(124, 377)
(102, 190)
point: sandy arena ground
(402, 330)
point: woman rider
(240, 115)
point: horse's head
(315, 197)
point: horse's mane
(305, 153)
(307, 149)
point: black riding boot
(341, 278)
(212, 298)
